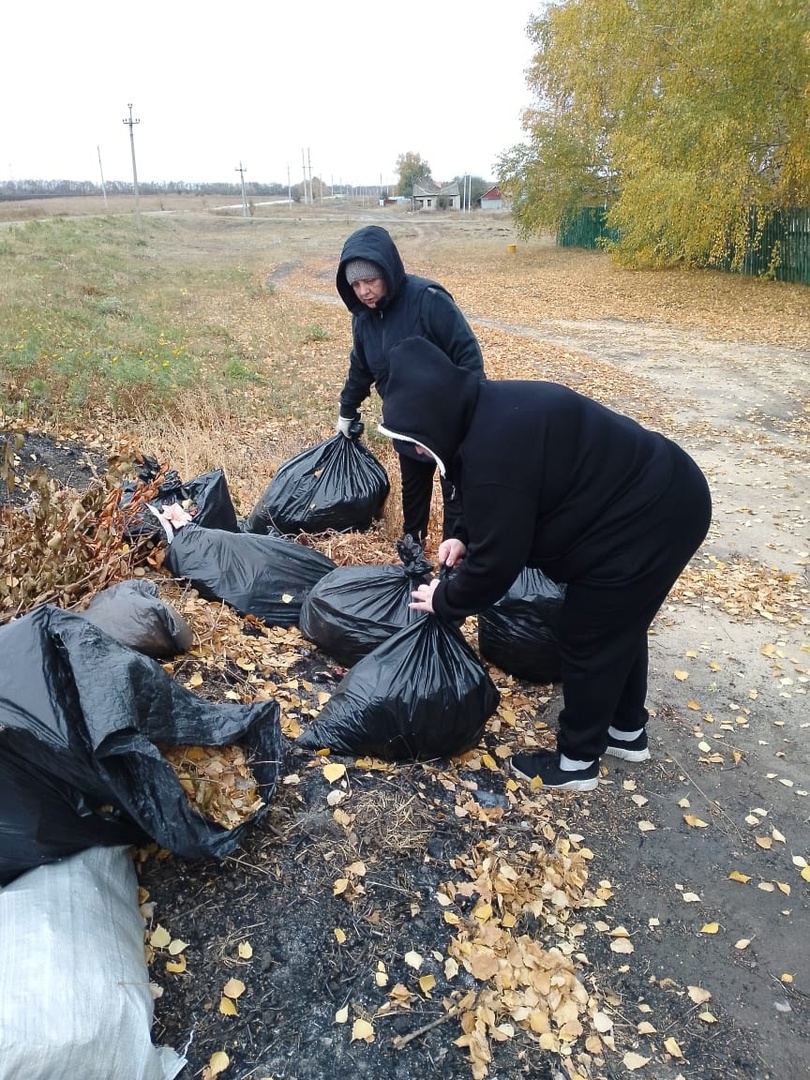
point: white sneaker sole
(628, 755)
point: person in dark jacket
(388, 305)
(548, 478)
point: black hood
(373, 244)
(428, 400)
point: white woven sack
(74, 985)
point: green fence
(585, 229)
(778, 243)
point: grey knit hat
(362, 270)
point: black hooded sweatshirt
(411, 306)
(546, 478)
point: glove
(344, 425)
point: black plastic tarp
(81, 721)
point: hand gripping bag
(519, 633)
(353, 609)
(265, 576)
(338, 484)
(421, 694)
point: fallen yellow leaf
(233, 988)
(333, 771)
(671, 1046)
(218, 1062)
(363, 1031)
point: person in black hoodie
(548, 478)
(388, 305)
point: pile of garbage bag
(206, 498)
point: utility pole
(311, 192)
(242, 172)
(101, 170)
(132, 124)
(304, 167)
(289, 188)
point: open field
(233, 348)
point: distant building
(431, 196)
(494, 200)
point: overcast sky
(257, 82)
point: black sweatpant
(417, 492)
(606, 615)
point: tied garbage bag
(265, 576)
(519, 633)
(421, 694)
(353, 609)
(133, 614)
(206, 498)
(81, 722)
(338, 484)
(75, 1000)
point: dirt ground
(679, 903)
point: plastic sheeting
(81, 721)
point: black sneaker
(637, 750)
(544, 767)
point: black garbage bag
(133, 613)
(206, 498)
(519, 633)
(353, 609)
(422, 694)
(265, 576)
(81, 721)
(338, 484)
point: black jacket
(412, 306)
(546, 478)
